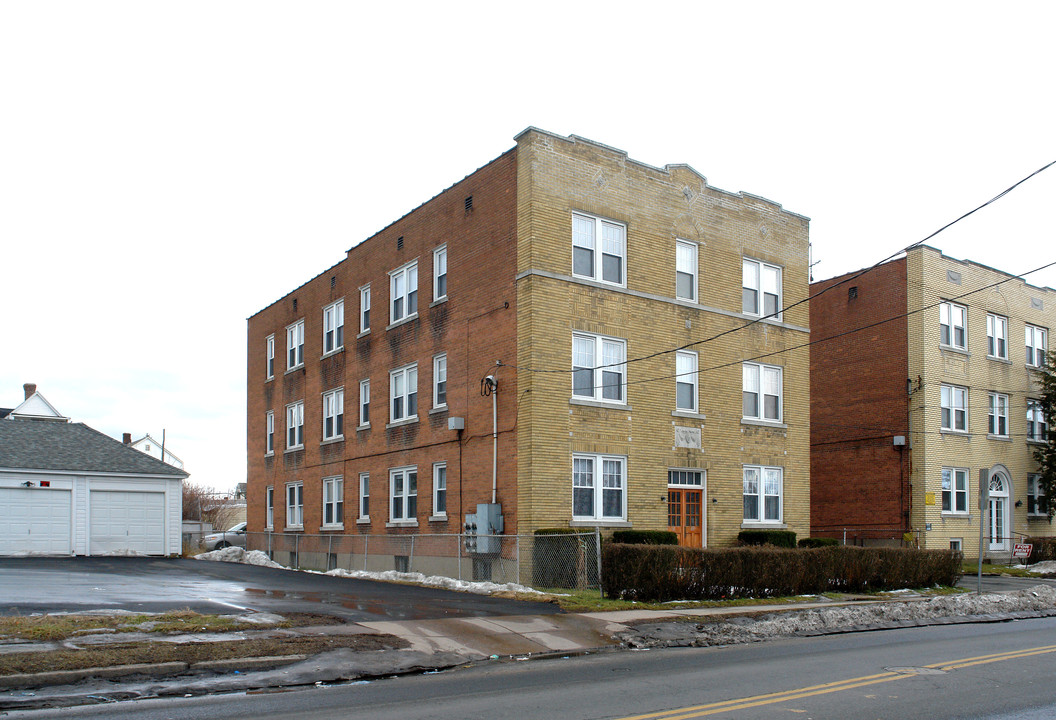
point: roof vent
(469, 203)
(399, 243)
(333, 281)
(295, 303)
(852, 292)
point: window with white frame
(599, 485)
(333, 501)
(440, 381)
(954, 490)
(403, 292)
(686, 270)
(403, 393)
(269, 433)
(1037, 503)
(952, 323)
(763, 492)
(364, 403)
(997, 336)
(685, 478)
(334, 327)
(761, 393)
(761, 289)
(295, 345)
(364, 308)
(956, 545)
(440, 489)
(1037, 343)
(598, 369)
(269, 354)
(598, 249)
(686, 381)
(269, 507)
(295, 425)
(364, 496)
(440, 273)
(334, 414)
(997, 419)
(953, 401)
(1037, 423)
(403, 490)
(295, 505)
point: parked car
(234, 535)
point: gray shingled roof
(74, 447)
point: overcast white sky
(169, 169)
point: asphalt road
(48, 585)
(994, 670)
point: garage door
(36, 520)
(122, 521)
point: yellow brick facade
(560, 176)
(932, 279)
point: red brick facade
(475, 326)
(859, 479)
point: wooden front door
(685, 516)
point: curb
(65, 677)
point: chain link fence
(559, 561)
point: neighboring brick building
(617, 306)
(937, 353)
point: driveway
(49, 585)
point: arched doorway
(1000, 532)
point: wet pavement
(136, 584)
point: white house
(67, 489)
(152, 447)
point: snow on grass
(1047, 567)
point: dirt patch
(151, 652)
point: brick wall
(858, 477)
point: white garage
(66, 489)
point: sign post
(984, 505)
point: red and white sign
(1022, 550)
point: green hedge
(809, 542)
(664, 572)
(645, 537)
(777, 538)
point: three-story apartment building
(578, 337)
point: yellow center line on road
(697, 711)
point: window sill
(600, 523)
(1035, 441)
(688, 414)
(955, 349)
(953, 515)
(763, 525)
(438, 409)
(269, 378)
(402, 321)
(361, 428)
(406, 421)
(294, 528)
(401, 523)
(600, 282)
(1002, 438)
(438, 518)
(995, 358)
(955, 433)
(775, 424)
(600, 404)
(270, 454)
(363, 333)
(762, 318)
(438, 301)
(269, 528)
(325, 528)
(1038, 518)
(334, 439)
(363, 520)
(336, 351)
(295, 368)
(295, 448)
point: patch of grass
(158, 652)
(591, 601)
(44, 628)
(972, 568)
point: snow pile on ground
(239, 555)
(1040, 599)
(256, 557)
(125, 552)
(479, 588)
(1047, 567)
